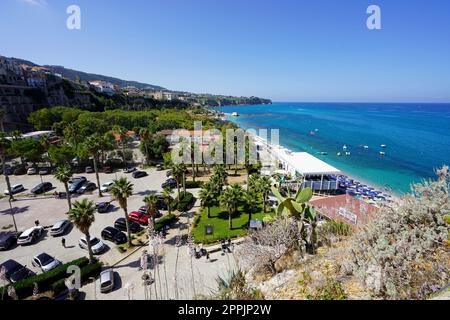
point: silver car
(106, 280)
(97, 245)
(59, 228)
(45, 262)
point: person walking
(63, 241)
(207, 256)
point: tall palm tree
(151, 202)
(178, 175)
(251, 203)
(63, 174)
(82, 216)
(145, 136)
(230, 200)
(221, 172)
(207, 196)
(264, 186)
(93, 145)
(167, 194)
(121, 191)
(5, 146)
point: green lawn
(219, 220)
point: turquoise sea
(417, 136)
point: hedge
(166, 220)
(186, 199)
(194, 184)
(91, 270)
(24, 288)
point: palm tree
(63, 174)
(207, 196)
(82, 216)
(264, 186)
(145, 135)
(221, 173)
(167, 194)
(230, 200)
(121, 191)
(151, 202)
(251, 203)
(178, 175)
(93, 146)
(5, 146)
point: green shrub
(91, 270)
(186, 200)
(331, 290)
(194, 184)
(164, 221)
(24, 288)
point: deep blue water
(417, 136)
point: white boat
(344, 147)
(382, 153)
(366, 147)
(384, 146)
(339, 154)
(347, 153)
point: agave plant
(298, 208)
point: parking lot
(48, 210)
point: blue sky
(286, 50)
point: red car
(138, 217)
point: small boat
(384, 146)
(347, 153)
(339, 154)
(235, 114)
(344, 147)
(382, 153)
(323, 153)
(316, 130)
(366, 147)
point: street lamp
(12, 215)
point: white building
(103, 87)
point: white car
(30, 236)
(107, 186)
(15, 189)
(31, 171)
(45, 262)
(97, 245)
(59, 228)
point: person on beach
(63, 241)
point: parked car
(31, 171)
(60, 228)
(139, 174)
(75, 179)
(19, 171)
(159, 167)
(15, 189)
(8, 171)
(107, 169)
(45, 262)
(87, 187)
(107, 186)
(106, 280)
(89, 170)
(14, 271)
(114, 235)
(97, 245)
(143, 210)
(76, 185)
(138, 217)
(121, 224)
(7, 240)
(44, 171)
(129, 170)
(42, 188)
(170, 183)
(31, 235)
(103, 207)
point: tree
(145, 136)
(2, 119)
(167, 194)
(251, 203)
(5, 146)
(61, 155)
(151, 202)
(121, 132)
(82, 216)
(29, 149)
(230, 200)
(93, 147)
(264, 186)
(121, 191)
(207, 196)
(177, 172)
(63, 174)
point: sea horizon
(417, 138)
